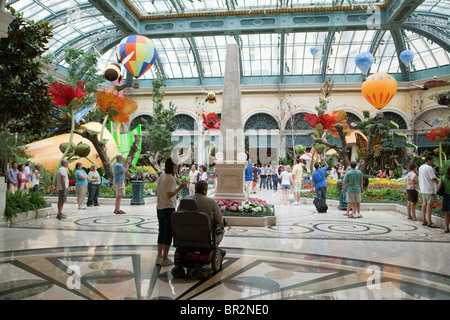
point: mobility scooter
(195, 239)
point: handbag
(29, 185)
(441, 190)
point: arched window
(296, 122)
(398, 119)
(261, 121)
(184, 122)
(351, 117)
(140, 120)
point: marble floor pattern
(97, 255)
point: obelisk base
(230, 181)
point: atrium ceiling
(274, 36)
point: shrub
(19, 202)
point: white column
(230, 160)
(5, 20)
(2, 198)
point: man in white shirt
(428, 185)
(297, 174)
(62, 183)
(193, 175)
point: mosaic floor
(96, 255)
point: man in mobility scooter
(198, 229)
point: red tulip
(211, 121)
(64, 94)
(437, 134)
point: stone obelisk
(230, 158)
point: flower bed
(379, 190)
(251, 208)
(105, 191)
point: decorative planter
(138, 192)
(251, 221)
(41, 213)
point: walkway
(307, 255)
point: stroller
(195, 240)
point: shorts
(120, 189)
(62, 196)
(413, 195)
(429, 198)
(285, 186)
(353, 197)
(297, 187)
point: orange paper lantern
(379, 89)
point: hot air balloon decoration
(144, 57)
(364, 62)
(407, 56)
(314, 51)
(379, 89)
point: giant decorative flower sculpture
(66, 96)
(119, 108)
(211, 121)
(320, 123)
(115, 107)
(341, 118)
(437, 135)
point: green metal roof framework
(274, 36)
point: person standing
(119, 180)
(22, 178)
(275, 173)
(318, 180)
(166, 202)
(269, 176)
(12, 177)
(28, 170)
(427, 184)
(35, 177)
(263, 177)
(203, 173)
(62, 183)
(446, 199)
(297, 174)
(353, 181)
(193, 174)
(255, 177)
(412, 184)
(81, 184)
(387, 172)
(286, 183)
(248, 179)
(94, 183)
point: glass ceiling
(79, 24)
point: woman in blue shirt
(81, 184)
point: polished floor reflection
(97, 255)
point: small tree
(23, 94)
(380, 140)
(159, 131)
